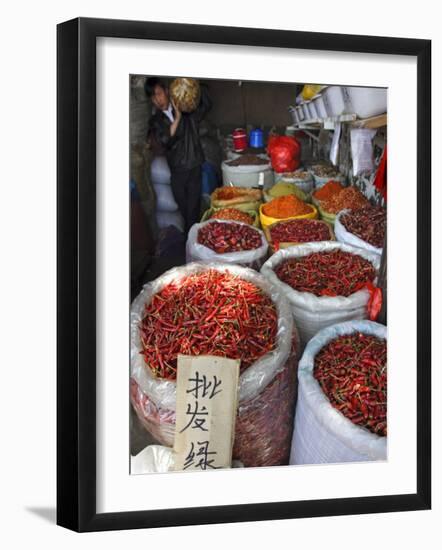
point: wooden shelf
(372, 122)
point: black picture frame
(76, 273)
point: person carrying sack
(177, 133)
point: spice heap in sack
(286, 207)
(299, 231)
(185, 93)
(281, 189)
(369, 224)
(330, 189)
(229, 193)
(325, 282)
(341, 411)
(209, 313)
(238, 197)
(334, 273)
(247, 160)
(232, 214)
(284, 152)
(352, 372)
(227, 311)
(350, 197)
(297, 174)
(325, 171)
(229, 237)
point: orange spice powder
(286, 207)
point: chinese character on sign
(201, 386)
(200, 459)
(206, 405)
(195, 421)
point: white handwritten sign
(207, 394)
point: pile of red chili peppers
(208, 313)
(352, 372)
(300, 231)
(229, 237)
(334, 273)
(369, 224)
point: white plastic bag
(312, 313)
(322, 434)
(152, 459)
(196, 252)
(164, 219)
(165, 198)
(160, 171)
(362, 150)
(344, 236)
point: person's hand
(175, 108)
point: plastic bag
(313, 313)
(185, 93)
(362, 150)
(285, 153)
(154, 399)
(196, 252)
(165, 199)
(344, 236)
(160, 171)
(322, 434)
(152, 459)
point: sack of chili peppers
(341, 412)
(364, 228)
(260, 332)
(324, 282)
(226, 241)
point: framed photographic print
(223, 306)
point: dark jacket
(183, 150)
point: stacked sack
(167, 212)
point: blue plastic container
(256, 138)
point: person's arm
(176, 122)
(204, 106)
(163, 131)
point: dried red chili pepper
(369, 224)
(232, 214)
(229, 237)
(209, 313)
(299, 231)
(352, 372)
(322, 273)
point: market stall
(286, 264)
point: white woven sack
(160, 171)
(306, 185)
(313, 313)
(165, 198)
(196, 252)
(253, 380)
(322, 434)
(344, 236)
(164, 219)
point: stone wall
(140, 156)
